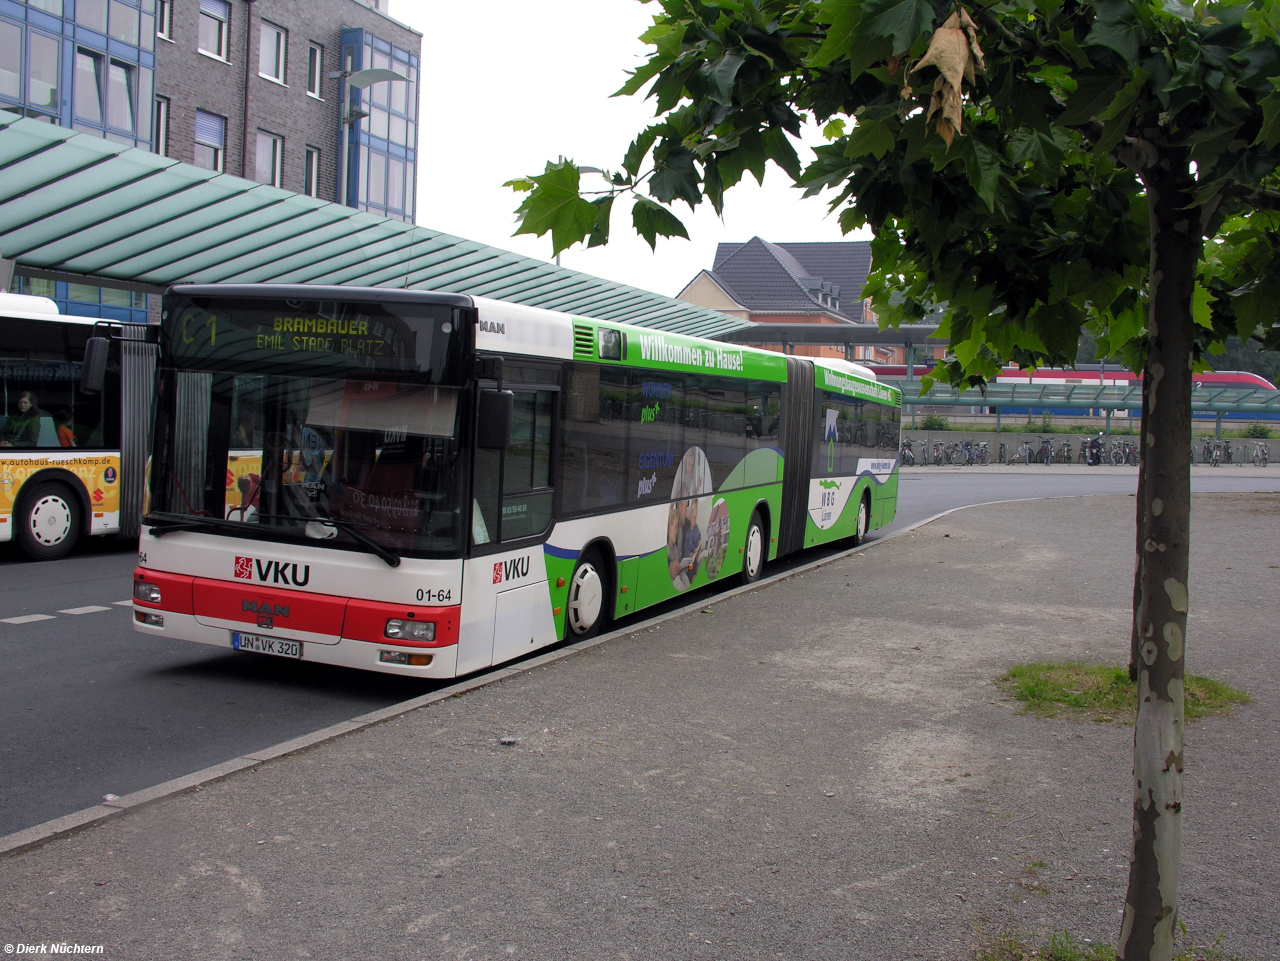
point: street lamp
(349, 118)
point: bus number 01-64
(438, 597)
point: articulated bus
(430, 483)
(72, 453)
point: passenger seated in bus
(66, 434)
(23, 428)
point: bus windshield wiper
(321, 528)
(169, 523)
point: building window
(271, 52)
(124, 23)
(164, 19)
(10, 60)
(315, 63)
(48, 6)
(215, 23)
(92, 14)
(311, 176)
(211, 140)
(88, 86)
(120, 112)
(267, 165)
(160, 135)
(43, 59)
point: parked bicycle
(1025, 454)
(1261, 454)
(1123, 452)
(907, 455)
(1045, 454)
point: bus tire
(585, 608)
(48, 521)
(860, 523)
(753, 552)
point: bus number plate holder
(278, 646)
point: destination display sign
(233, 334)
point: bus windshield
(356, 447)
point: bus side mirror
(94, 371)
(493, 431)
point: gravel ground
(819, 769)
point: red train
(1087, 374)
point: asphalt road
(90, 708)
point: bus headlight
(410, 630)
(148, 593)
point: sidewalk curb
(41, 834)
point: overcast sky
(509, 84)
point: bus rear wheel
(585, 610)
(48, 522)
(753, 551)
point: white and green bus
(430, 483)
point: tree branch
(1257, 197)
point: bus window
(594, 418)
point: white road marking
(123, 603)
(91, 609)
(28, 618)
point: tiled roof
(793, 278)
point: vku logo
(276, 572)
(509, 570)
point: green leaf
(638, 150)
(1257, 306)
(1200, 312)
(554, 205)
(984, 171)
(720, 76)
(903, 20)
(653, 220)
(748, 155)
(871, 139)
(841, 17)
(1119, 33)
(1270, 132)
(600, 230)
(834, 130)
(675, 177)
(1094, 93)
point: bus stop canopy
(76, 204)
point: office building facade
(244, 87)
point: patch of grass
(1061, 946)
(1102, 692)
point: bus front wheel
(585, 610)
(48, 522)
(860, 524)
(753, 552)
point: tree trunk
(1135, 645)
(1151, 903)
